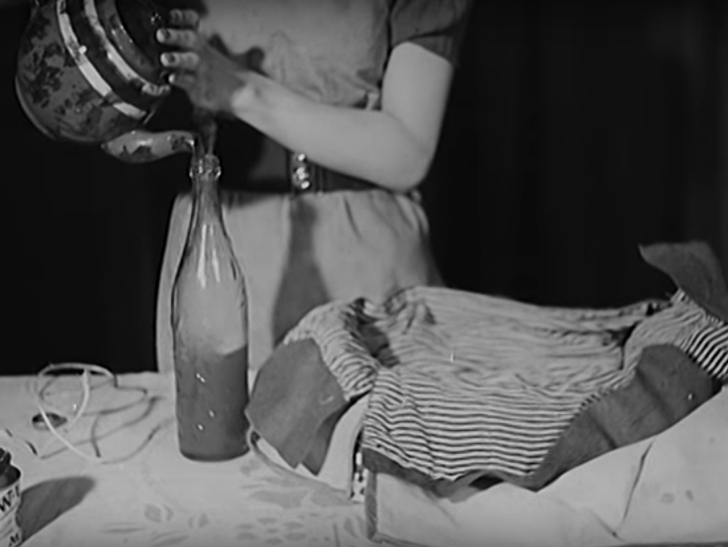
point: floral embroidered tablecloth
(145, 492)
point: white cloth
(671, 488)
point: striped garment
(707, 345)
(463, 383)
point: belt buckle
(300, 172)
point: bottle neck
(205, 173)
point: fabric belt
(308, 177)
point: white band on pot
(115, 57)
(78, 52)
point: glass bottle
(210, 329)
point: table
(148, 494)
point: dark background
(576, 132)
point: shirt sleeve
(436, 25)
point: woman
(350, 97)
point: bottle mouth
(206, 166)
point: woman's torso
(332, 51)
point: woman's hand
(210, 78)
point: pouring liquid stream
(207, 132)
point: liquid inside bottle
(210, 330)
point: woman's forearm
(391, 147)
(372, 145)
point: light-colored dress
(300, 251)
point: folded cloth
(665, 491)
(666, 386)
(292, 399)
(464, 385)
(444, 427)
(338, 466)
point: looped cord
(86, 388)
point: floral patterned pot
(88, 70)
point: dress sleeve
(436, 25)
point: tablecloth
(147, 493)
(670, 488)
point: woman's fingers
(187, 40)
(185, 81)
(181, 61)
(184, 18)
(183, 39)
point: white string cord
(86, 389)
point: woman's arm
(392, 147)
